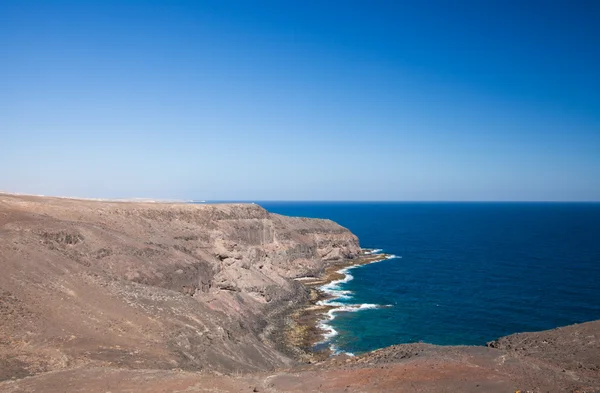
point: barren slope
(152, 297)
(147, 285)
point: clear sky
(295, 100)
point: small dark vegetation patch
(148, 252)
(11, 307)
(103, 253)
(62, 237)
(187, 238)
(159, 245)
(183, 249)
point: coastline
(142, 307)
(306, 331)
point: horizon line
(249, 200)
(386, 201)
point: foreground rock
(149, 297)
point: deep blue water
(468, 272)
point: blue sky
(296, 100)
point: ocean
(461, 273)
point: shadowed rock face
(149, 297)
(150, 285)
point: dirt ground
(99, 296)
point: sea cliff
(153, 285)
(138, 296)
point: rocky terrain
(99, 296)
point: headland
(116, 296)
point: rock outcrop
(151, 285)
(154, 297)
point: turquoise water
(466, 273)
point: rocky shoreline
(99, 296)
(302, 330)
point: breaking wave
(336, 293)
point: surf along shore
(307, 332)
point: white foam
(336, 351)
(343, 307)
(333, 287)
(330, 332)
(334, 290)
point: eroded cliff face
(151, 285)
(122, 297)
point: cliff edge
(151, 285)
(99, 296)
